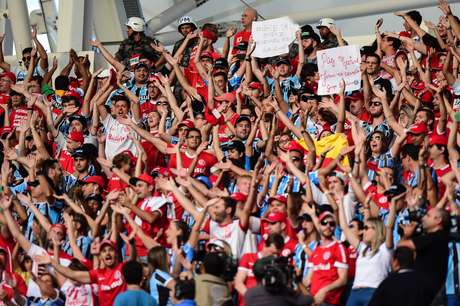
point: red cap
(9, 75)
(107, 241)
(96, 179)
(59, 226)
(239, 197)
(438, 139)
(76, 136)
(279, 197)
(187, 122)
(418, 128)
(131, 156)
(426, 96)
(209, 35)
(162, 170)
(355, 96)
(276, 217)
(404, 34)
(206, 54)
(230, 97)
(256, 85)
(144, 177)
(326, 214)
(435, 63)
(295, 146)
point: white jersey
(232, 233)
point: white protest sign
(273, 36)
(336, 64)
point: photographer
(273, 276)
(212, 287)
(431, 247)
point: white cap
(187, 20)
(326, 22)
(136, 23)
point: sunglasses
(366, 227)
(376, 103)
(294, 159)
(330, 223)
(195, 137)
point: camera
(277, 274)
(414, 215)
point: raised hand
(34, 32)
(444, 7)
(230, 32)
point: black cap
(80, 118)
(282, 60)
(95, 197)
(395, 190)
(234, 144)
(220, 63)
(242, 118)
(242, 45)
(305, 217)
(306, 28)
(80, 152)
(140, 65)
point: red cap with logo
(239, 197)
(295, 146)
(10, 75)
(276, 217)
(107, 241)
(76, 136)
(256, 85)
(279, 197)
(187, 122)
(96, 179)
(230, 97)
(326, 214)
(144, 177)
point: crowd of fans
(206, 177)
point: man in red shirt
(148, 212)
(439, 161)
(74, 141)
(328, 267)
(204, 160)
(108, 279)
(249, 15)
(245, 278)
(277, 224)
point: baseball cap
(9, 75)
(242, 118)
(79, 118)
(187, 122)
(107, 241)
(355, 96)
(276, 217)
(418, 128)
(279, 197)
(228, 96)
(160, 170)
(80, 152)
(340, 175)
(76, 136)
(282, 60)
(242, 45)
(217, 242)
(326, 214)
(305, 217)
(326, 22)
(59, 226)
(395, 190)
(141, 65)
(239, 197)
(221, 63)
(256, 85)
(95, 179)
(206, 54)
(144, 177)
(234, 144)
(436, 139)
(295, 146)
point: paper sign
(273, 36)
(336, 64)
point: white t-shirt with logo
(117, 140)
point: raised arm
(40, 49)
(107, 55)
(4, 65)
(12, 226)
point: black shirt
(405, 288)
(259, 296)
(432, 254)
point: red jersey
(155, 157)
(18, 117)
(203, 165)
(437, 174)
(147, 107)
(325, 262)
(381, 200)
(351, 260)
(290, 245)
(110, 282)
(150, 205)
(223, 128)
(241, 36)
(66, 161)
(247, 262)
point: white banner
(273, 36)
(336, 64)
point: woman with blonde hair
(374, 253)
